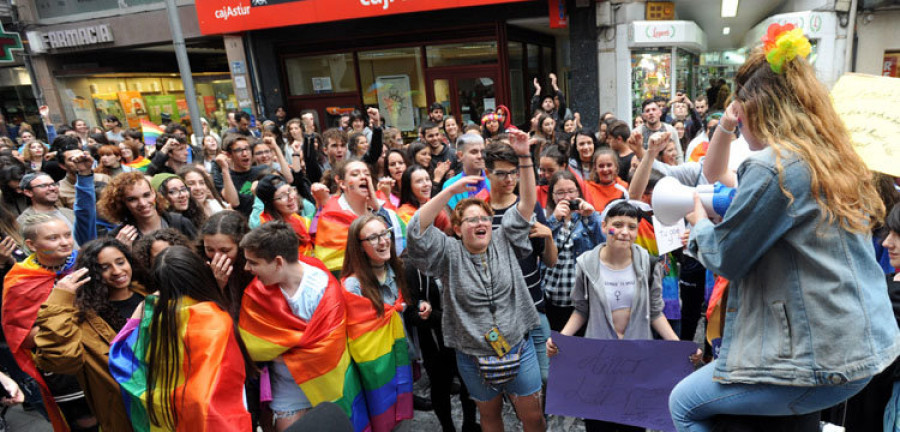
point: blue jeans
(539, 336)
(526, 382)
(697, 399)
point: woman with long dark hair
(376, 297)
(281, 202)
(220, 239)
(183, 368)
(81, 317)
(177, 198)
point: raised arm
(642, 174)
(527, 186)
(715, 166)
(430, 210)
(229, 192)
(376, 144)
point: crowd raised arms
(318, 269)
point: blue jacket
(586, 233)
(808, 305)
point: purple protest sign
(621, 381)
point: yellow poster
(135, 108)
(868, 105)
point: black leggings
(440, 363)
(692, 285)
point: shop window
(462, 54)
(517, 82)
(547, 63)
(534, 58)
(392, 80)
(321, 74)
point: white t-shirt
(619, 286)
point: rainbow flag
(646, 236)
(300, 225)
(378, 347)
(331, 233)
(25, 288)
(315, 352)
(151, 132)
(207, 396)
(140, 163)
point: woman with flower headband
(794, 244)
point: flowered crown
(491, 116)
(782, 43)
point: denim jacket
(586, 233)
(808, 305)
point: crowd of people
(145, 286)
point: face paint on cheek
(612, 232)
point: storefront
(395, 61)
(124, 65)
(17, 102)
(663, 56)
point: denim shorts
(527, 382)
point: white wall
(881, 34)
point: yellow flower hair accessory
(782, 43)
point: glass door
(466, 95)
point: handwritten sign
(868, 106)
(620, 381)
(668, 238)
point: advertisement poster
(108, 104)
(157, 105)
(395, 101)
(208, 103)
(183, 111)
(135, 108)
(82, 109)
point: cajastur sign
(230, 16)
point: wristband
(723, 129)
(526, 166)
(523, 156)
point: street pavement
(19, 420)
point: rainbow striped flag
(331, 233)
(315, 352)
(646, 236)
(151, 132)
(140, 163)
(207, 394)
(300, 225)
(378, 347)
(25, 288)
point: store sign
(70, 38)
(559, 18)
(652, 34)
(815, 25)
(8, 43)
(230, 16)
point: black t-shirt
(242, 182)
(125, 308)
(531, 265)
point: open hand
(127, 235)
(73, 281)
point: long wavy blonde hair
(792, 112)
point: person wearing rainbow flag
(294, 315)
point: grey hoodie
(590, 298)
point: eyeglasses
(477, 219)
(376, 238)
(563, 193)
(45, 186)
(506, 174)
(183, 190)
(240, 150)
(263, 153)
(287, 197)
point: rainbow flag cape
(406, 212)
(315, 352)
(379, 349)
(646, 236)
(208, 395)
(25, 288)
(151, 132)
(333, 226)
(140, 163)
(300, 225)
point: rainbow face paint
(612, 231)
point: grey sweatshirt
(590, 297)
(468, 289)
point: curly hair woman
(81, 317)
(808, 319)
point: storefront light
(726, 30)
(729, 8)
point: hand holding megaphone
(672, 201)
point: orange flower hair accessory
(782, 43)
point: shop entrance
(465, 93)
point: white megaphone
(673, 201)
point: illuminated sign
(231, 16)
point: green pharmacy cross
(8, 43)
